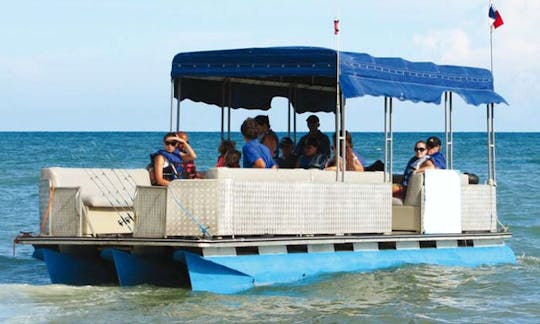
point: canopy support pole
(343, 137)
(178, 95)
(172, 107)
(289, 114)
(229, 110)
(491, 144)
(388, 140)
(294, 116)
(337, 143)
(229, 123)
(223, 110)
(340, 144)
(448, 129)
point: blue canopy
(251, 77)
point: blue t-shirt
(252, 151)
(438, 160)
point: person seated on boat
(311, 158)
(190, 170)
(266, 135)
(420, 156)
(232, 159)
(436, 159)
(352, 159)
(166, 164)
(287, 159)
(349, 141)
(224, 147)
(255, 154)
(324, 142)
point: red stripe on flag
(336, 26)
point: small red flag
(336, 26)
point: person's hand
(180, 141)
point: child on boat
(190, 170)
(166, 164)
(232, 159)
(224, 147)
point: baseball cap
(432, 142)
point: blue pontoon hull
(231, 274)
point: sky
(105, 65)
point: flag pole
(339, 126)
(491, 48)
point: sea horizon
(277, 131)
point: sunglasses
(172, 143)
(421, 149)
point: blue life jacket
(174, 170)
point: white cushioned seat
(99, 187)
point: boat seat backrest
(259, 174)
(99, 187)
(414, 190)
(350, 176)
(312, 175)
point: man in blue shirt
(255, 154)
(433, 145)
(436, 159)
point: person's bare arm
(358, 165)
(259, 163)
(425, 166)
(189, 154)
(159, 161)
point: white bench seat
(100, 200)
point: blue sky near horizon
(104, 65)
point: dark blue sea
(411, 294)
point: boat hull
(78, 269)
(182, 267)
(230, 274)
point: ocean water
(413, 294)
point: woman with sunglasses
(167, 162)
(419, 158)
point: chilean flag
(495, 16)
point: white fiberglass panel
(442, 202)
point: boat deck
(119, 240)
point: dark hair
(249, 128)
(311, 140)
(262, 120)
(432, 142)
(170, 134)
(232, 159)
(349, 153)
(286, 141)
(419, 142)
(348, 139)
(226, 145)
